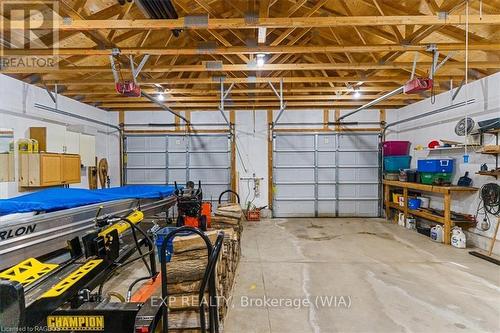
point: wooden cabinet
(48, 169)
(7, 167)
(71, 169)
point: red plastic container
(396, 148)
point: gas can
(458, 238)
(437, 233)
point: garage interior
(263, 166)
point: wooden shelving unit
(446, 191)
(493, 173)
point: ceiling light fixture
(356, 94)
(261, 60)
(161, 97)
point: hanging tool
(103, 173)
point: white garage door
(325, 175)
(163, 159)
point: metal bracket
(223, 96)
(414, 68)
(444, 61)
(113, 68)
(458, 90)
(141, 65)
(435, 58)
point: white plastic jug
(458, 238)
(401, 219)
(437, 233)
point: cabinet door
(71, 143)
(71, 169)
(87, 149)
(50, 170)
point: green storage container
(430, 178)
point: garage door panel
(326, 159)
(358, 174)
(294, 158)
(177, 175)
(177, 143)
(327, 142)
(210, 175)
(294, 191)
(143, 176)
(358, 142)
(146, 144)
(294, 142)
(353, 191)
(146, 160)
(358, 158)
(326, 191)
(355, 208)
(326, 175)
(294, 175)
(326, 208)
(209, 159)
(204, 143)
(176, 159)
(294, 208)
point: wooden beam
(287, 79)
(242, 23)
(139, 105)
(253, 68)
(304, 49)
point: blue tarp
(63, 198)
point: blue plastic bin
(160, 236)
(436, 165)
(396, 163)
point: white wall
(17, 111)
(486, 93)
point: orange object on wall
(206, 209)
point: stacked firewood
(187, 266)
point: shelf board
(425, 214)
(494, 173)
(490, 152)
(450, 148)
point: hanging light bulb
(261, 60)
(161, 97)
(356, 94)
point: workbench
(446, 191)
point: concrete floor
(358, 275)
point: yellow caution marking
(71, 279)
(75, 323)
(136, 217)
(27, 271)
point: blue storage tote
(160, 236)
(436, 165)
(396, 163)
